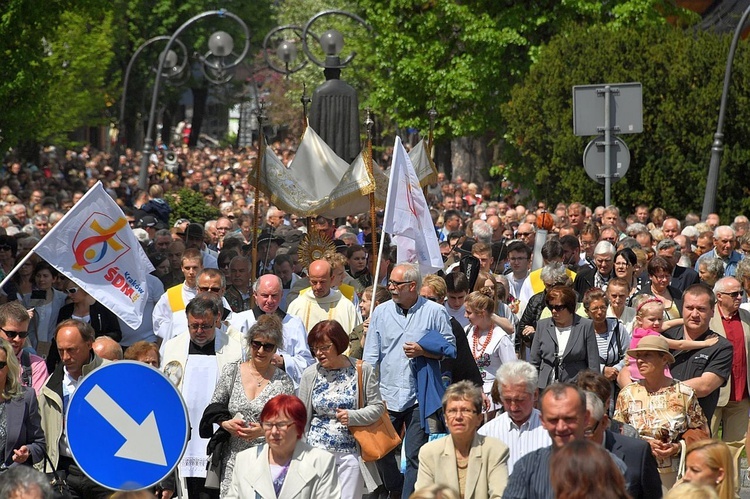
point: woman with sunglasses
(84, 307)
(242, 391)
(564, 344)
(331, 393)
(21, 435)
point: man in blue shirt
(397, 332)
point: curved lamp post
(717, 147)
(221, 46)
(332, 41)
(171, 64)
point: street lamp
(717, 147)
(221, 46)
(171, 63)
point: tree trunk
(470, 157)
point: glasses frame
(396, 284)
(279, 425)
(12, 334)
(267, 347)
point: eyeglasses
(396, 284)
(733, 294)
(322, 348)
(71, 291)
(268, 347)
(452, 413)
(206, 289)
(524, 234)
(13, 334)
(201, 327)
(597, 309)
(555, 308)
(590, 431)
(280, 425)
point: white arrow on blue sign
(127, 426)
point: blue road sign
(127, 426)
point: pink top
(639, 333)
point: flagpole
(391, 180)
(256, 207)
(373, 221)
(46, 236)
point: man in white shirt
(520, 426)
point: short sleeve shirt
(689, 364)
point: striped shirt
(520, 440)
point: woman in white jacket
(284, 466)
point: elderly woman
(660, 408)
(553, 274)
(475, 465)
(710, 462)
(241, 393)
(564, 344)
(331, 393)
(284, 466)
(144, 351)
(20, 423)
(711, 270)
(612, 339)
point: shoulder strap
(359, 382)
(26, 365)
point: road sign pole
(607, 147)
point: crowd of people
(563, 351)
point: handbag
(60, 488)
(376, 439)
(213, 466)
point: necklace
(262, 376)
(475, 340)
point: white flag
(407, 216)
(94, 246)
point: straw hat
(652, 344)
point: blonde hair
(13, 386)
(686, 490)
(717, 456)
(435, 491)
(645, 301)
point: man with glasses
(603, 271)
(401, 337)
(682, 277)
(519, 259)
(641, 473)
(526, 233)
(725, 242)
(733, 323)
(520, 426)
(224, 226)
(14, 327)
(193, 360)
(295, 356)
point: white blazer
(312, 475)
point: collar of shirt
(207, 349)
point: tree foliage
(681, 73)
(189, 204)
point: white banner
(407, 216)
(94, 246)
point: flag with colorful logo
(407, 215)
(94, 246)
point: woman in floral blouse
(662, 409)
(330, 392)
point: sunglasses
(556, 308)
(268, 347)
(212, 289)
(13, 334)
(3, 364)
(733, 294)
(72, 291)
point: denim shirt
(388, 331)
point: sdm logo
(96, 245)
